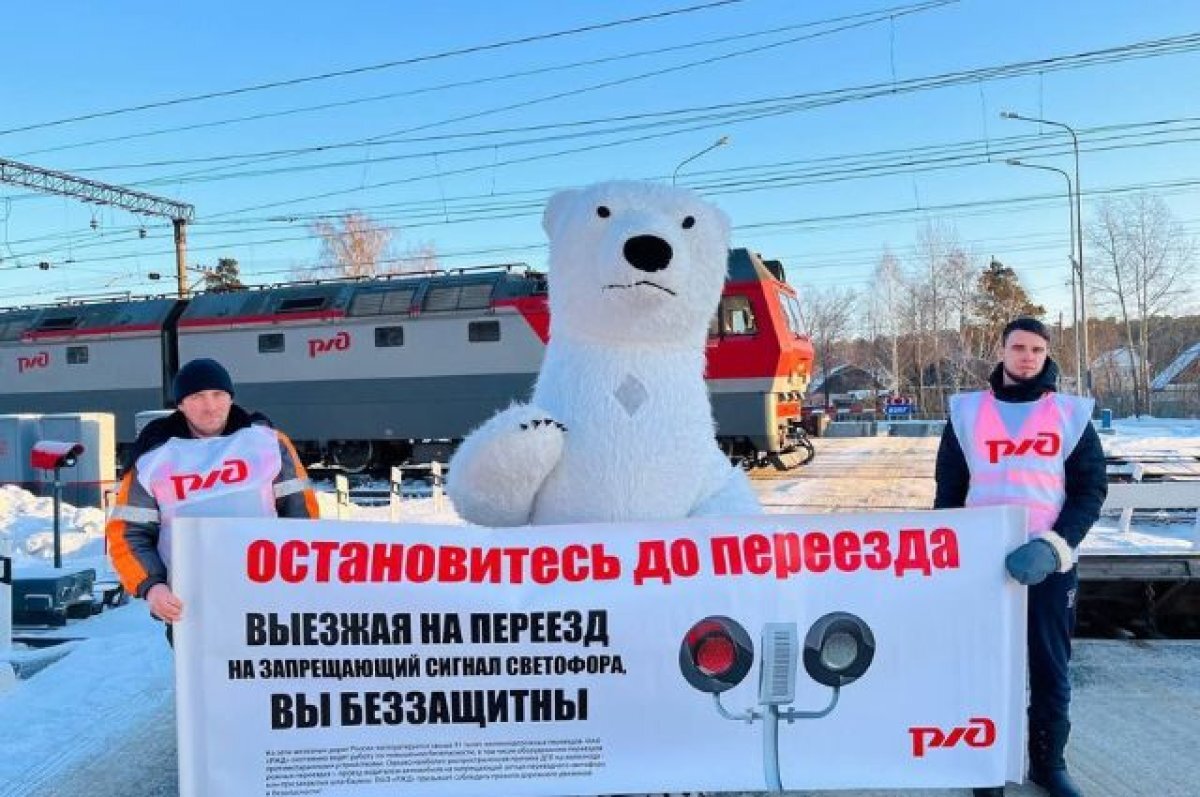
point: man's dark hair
(1025, 324)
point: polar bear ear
(556, 208)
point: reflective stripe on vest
(229, 476)
(1025, 466)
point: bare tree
(353, 245)
(829, 314)
(1141, 269)
(885, 308)
(935, 254)
(961, 276)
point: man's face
(1024, 354)
(206, 412)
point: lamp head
(838, 649)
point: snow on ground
(117, 675)
(1133, 436)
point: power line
(481, 80)
(382, 138)
(479, 48)
(891, 215)
(800, 102)
(733, 180)
(737, 111)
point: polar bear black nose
(648, 253)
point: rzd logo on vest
(1046, 444)
(978, 732)
(231, 471)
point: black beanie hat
(201, 374)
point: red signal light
(716, 654)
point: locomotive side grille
(395, 302)
(476, 297)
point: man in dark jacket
(1023, 443)
(208, 458)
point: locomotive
(385, 370)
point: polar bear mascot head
(619, 426)
(635, 264)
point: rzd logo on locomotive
(39, 360)
(339, 342)
(231, 471)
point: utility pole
(1080, 387)
(1083, 315)
(51, 182)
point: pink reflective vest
(229, 476)
(1025, 465)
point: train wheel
(353, 456)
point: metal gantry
(53, 182)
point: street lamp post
(1070, 258)
(720, 142)
(1078, 237)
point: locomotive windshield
(735, 316)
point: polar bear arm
(496, 473)
(729, 493)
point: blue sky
(479, 152)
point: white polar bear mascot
(619, 427)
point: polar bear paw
(496, 473)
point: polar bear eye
(603, 212)
(688, 222)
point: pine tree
(226, 276)
(1001, 298)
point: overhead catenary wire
(476, 81)
(737, 112)
(808, 101)
(890, 215)
(747, 177)
(330, 75)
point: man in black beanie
(208, 458)
(1021, 442)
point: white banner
(793, 652)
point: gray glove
(1032, 562)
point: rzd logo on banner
(231, 471)
(978, 732)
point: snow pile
(29, 522)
